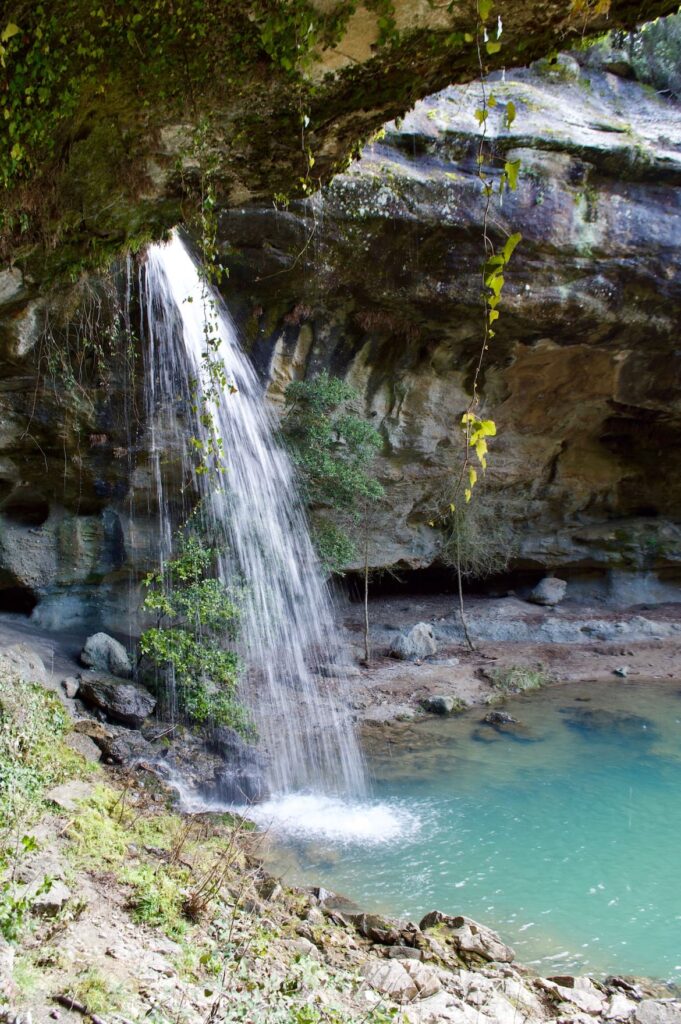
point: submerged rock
(126, 703)
(499, 718)
(603, 724)
(550, 591)
(505, 725)
(419, 642)
(105, 654)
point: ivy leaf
(9, 30)
(491, 100)
(467, 494)
(481, 115)
(511, 168)
(472, 476)
(493, 46)
(510, 245)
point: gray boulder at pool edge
(105, 654)
(549, 591)
(419, 642)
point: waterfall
(288, 638)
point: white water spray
(288, 634)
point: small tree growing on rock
(197, 620)
(333, 448)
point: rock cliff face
(378, 280)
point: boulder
(23, 661)
(470, 940)
(658, 1011)
(239, 785)
(91, 727)
(126, 703)
(48, 904)
(549, 591)
(439, 705)
(419, 642)
(619, 1007)
(105, 654)
(425, 978)
(125, 746)
(390, 978)
(70, 686)
(499, 718)
(68, 795)
(83, 745)
(375, 928)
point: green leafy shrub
(197, 616)
(655, 54)
(333, 448)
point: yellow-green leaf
(510, 245)
(484, 9)
(472, 476)
(17, 152)
(510, 113)
(467, 494)
(511, 167)
(9, 30)
(493, 46)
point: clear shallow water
(568, 842)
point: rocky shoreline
(574, 642)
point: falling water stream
(292, 682)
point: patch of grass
(98, 840)
(97, 993)
(158, 895)
(519, 678)
(26, 976)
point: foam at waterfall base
(315, 816)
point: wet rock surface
(127, 703)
